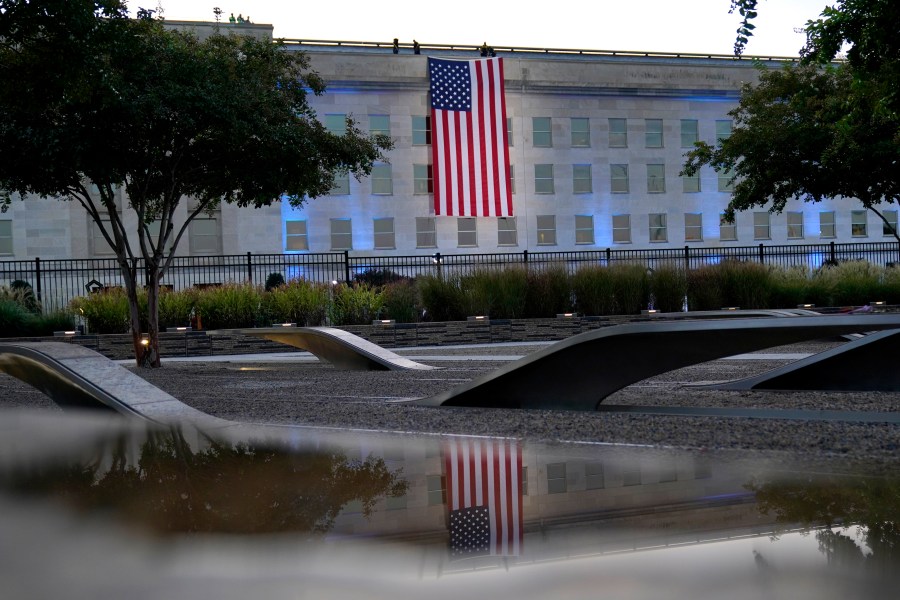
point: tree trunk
(153, 314)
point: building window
(658, 230)
(762, 226)
(859, 226)
(693, 227)
(380, 124)
(436, 486)
(621, 226)
(690, 184)
(826, 224)
(382, 184)
(512, 179)
(507, 234)
(888, 229)
(581, 132)
(524, 479)
(584, 229)
(423, 182)
(653, 135)
(509, 131)
(395, 502)
(466, 234)
(593, 476)
(668, 472)
(689, 133)
(618, 133)
(383, 230)
(631, 475)
(556, 478)
(421, 131)
(205, 235)
(296, 236)
(541, 134)
(341, 234)
(543, 179)
(725, 184)
(723, 129)
(795, 225)
(6, 237)
(727, 231)
(426, 236)
(546, 230)
(618, 179)
(656, 179)
(581, 179)
(341, 185)
(336, 124)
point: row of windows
(297, 234)
(544, 180)
(542, 130)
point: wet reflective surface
(97, 507)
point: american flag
(484, 497)
(469, 142)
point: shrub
(297, 301)
(631, 287)
(22, 292)
(354, 305)
(401, 301)
(14, 319)
(854, 282)
(105, 311)
(549, 291)
(745, 284)
(790, 287)
(230, 306)
(45, 325)
(273, 281)
(442, 298)
(668, 284)
(377, 277)
(175, 307)
(594, 291)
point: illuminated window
(581, 132)
(693, 227)
(296, 237)
(653, 135)
(621, 226)
(581, 179)
(546, 230)
(383, 230)
(584, 229)
(658, 229)
(541, 133)
(341, 234)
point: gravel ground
(312, 393)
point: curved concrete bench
(579, 372)
(76, 377)
(341, 348)
(736, 314)
(868, 363)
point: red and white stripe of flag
(470, 151)
(487, 472)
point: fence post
(762, 255)
(249, 269)
(347, 267)
(687, 258)
(833, 255)
(37, 277)
(525, 256)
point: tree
(126, 104)
(817, 130)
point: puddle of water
(101, 504)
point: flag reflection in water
(484, 496)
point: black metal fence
(56, 282)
